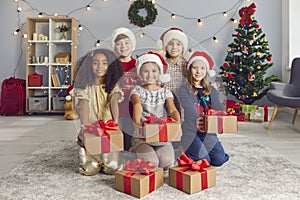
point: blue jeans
(206, 146)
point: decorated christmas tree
(248, 58)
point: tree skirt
(254, 171)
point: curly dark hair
(85, 76)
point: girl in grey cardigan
(196, 97)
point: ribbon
(266, 113)
(185, 161)
(219, 114)
(138, 165)
(162, 125)
(245, 14)
(100, 128)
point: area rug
(253, 172)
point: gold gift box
(151, 133)
(191, 180)
(93, 144)
(229, 124)
(139, 183)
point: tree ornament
(257, 53)
(241, 69)
(254, 94)
(230, 76)
(265, 39)
(253, 37)
(258, 67)
(225, 64)
(241, 82)
(269, 58)
(245, 14)
(251, 77)
(238, 35)
(228, 49)
(256, 25)
(138, 20)
(245, 49)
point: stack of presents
(139, 177)
(245, 112)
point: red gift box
(35, 80)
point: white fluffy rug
(253, 172)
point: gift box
(257, 115)
(219, 122)
(268, 112)
(229, 103)
(102, 137)
(160, 129)
(247, 110)
(192, 177)
(139, 178)
(35, 80)
(237, 108)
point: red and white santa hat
(204, 57)
(172, 33)
(70, 92)
(159, 60)
(124, 31)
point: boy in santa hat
(124, 42)
(196, 97)
(148, 99)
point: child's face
(99, 65)
(123, 47)
(150, 73)
(174, 48)
(198, 70)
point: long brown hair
(204, 83)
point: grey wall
(106, 16)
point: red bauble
(225, 64)
(269, 58)
(242, 97)
(251, 77)
(230, 76)
(143, 2)
(256, 25)
(238, 35)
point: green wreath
(136, 19)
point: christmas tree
(247, 60)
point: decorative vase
(63, 35)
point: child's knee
(219, 160)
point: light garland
(88, 7)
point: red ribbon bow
(99, 127)
(213, 112)
(245, 14)
(184, 160)
(139, 165)
(154, 119)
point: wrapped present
(160, 129)
(237, 108)
(139, 178)
(247, 110)
(216, 121)
(268, 112)
(229, 103)
(102, 137)
(190, 176)
(257, 115)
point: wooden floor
(19, 136)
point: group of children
(114, 85)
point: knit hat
(126, 32)
(159, 60)
(204, 57)
(172, 33)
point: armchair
(286, 94)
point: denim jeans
(206, 146)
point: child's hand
(200, 124)
(138, 130)
(214, 84)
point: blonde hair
(204, 83)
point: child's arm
(137, 112)
(172, 110)
(114, 105)
(84, 111)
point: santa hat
(159, 60)
(126, 32)
(69, 93)
(172, 33)
(204, 57)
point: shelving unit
(44, 42)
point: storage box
(37, 103)
(103, 138)
(137, 184)
(220, 124)
(63, 58)
(35, 80)
(161, 131)
(190, 181)
(58, 103)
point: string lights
(200, 20)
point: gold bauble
(257, 53)
(254, 94)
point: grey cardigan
(187, 101)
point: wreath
(136, 19)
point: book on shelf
(55, 81)
(59, 78)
